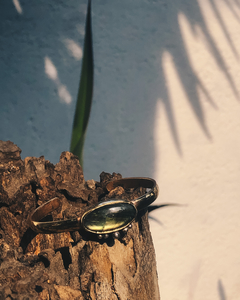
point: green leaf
(85, 92)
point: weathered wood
(67, 265)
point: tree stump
(67, 265)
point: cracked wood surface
(67, 265)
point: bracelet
(107, 217)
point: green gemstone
(109, 216)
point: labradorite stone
(109, 217)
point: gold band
(100, 219)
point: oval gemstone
(109, 216)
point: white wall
(166, 105)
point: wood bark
(67, 265)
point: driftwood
(67, 265)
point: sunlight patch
(52, 73)
(81, 29)
(18, 6)
(50, 69)
(74, 49)
(64, 94)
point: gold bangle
(107, 217)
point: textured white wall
(166, 105)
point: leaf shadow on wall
(132, 74)
(221, 291)
(190, 81)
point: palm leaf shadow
(221, 290)
(154, 207)
(187, 75)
